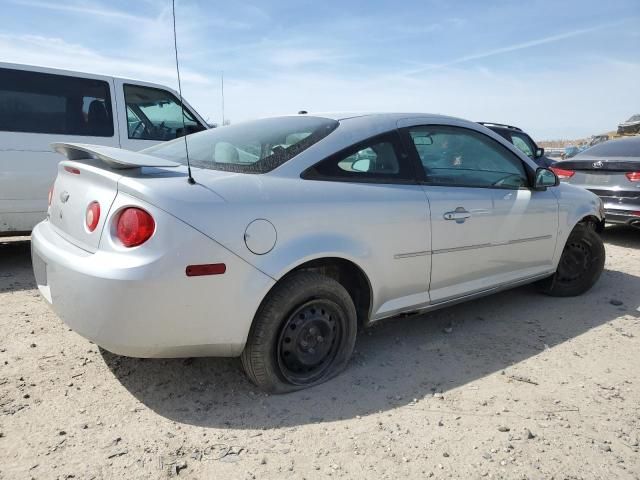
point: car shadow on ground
(15, 264)
(622, 236)
(395, 361)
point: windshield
(626, 147)
(250, 147)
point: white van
(39, 106)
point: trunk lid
(95, 173)
(91, 174)
(77, 185)
(601, 173)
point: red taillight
(562, 173)
(633, 176)
(92, 217)
(73, 170)
(50, 195)
(135, 226)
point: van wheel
(303, 334)
(580, 265)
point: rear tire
(580, 265)
(303, 334)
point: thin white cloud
(95, 10)
(510, 48)
(56, 53)
(98, 11)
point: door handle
(459, 215)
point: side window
(35, 102)
(378, 159)
(464, 158)
(155, 114)
(523, 143)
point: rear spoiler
(114, 157)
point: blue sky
(558, 69)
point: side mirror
(539, 152)
(545, 178)
(362, 165)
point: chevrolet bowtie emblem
(64, 196)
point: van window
(155, 114)
(37, 102)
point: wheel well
(347, 274)
(592, 220)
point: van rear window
(35, 102)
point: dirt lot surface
(514, 386)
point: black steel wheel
(303, 334)
(580, 266)
(575, 262)
(309, 341)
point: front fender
(574, 205)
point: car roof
(74, 73)
(494, 125)
(339, 115)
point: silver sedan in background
(287, 233)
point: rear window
(35, 102)
(250, 147)
(626, 147)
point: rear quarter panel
(367, 224)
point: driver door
(488, 227)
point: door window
(465, 158)
(523, 143)
(37, 102)
(155, 114)
(377, 159)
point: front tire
(303, 334)
(580, 265)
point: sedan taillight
(562, 173)
(135, 226)
(633, 176)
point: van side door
(149, 114)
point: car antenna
(184, 128)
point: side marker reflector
(206, 269)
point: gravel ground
(514, 386)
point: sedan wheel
(580, 265)
(303, 334)
(309, 341)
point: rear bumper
(622, 217)
(621, 207)
(145, 305)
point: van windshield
(258, 146)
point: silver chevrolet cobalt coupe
(292, 231)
